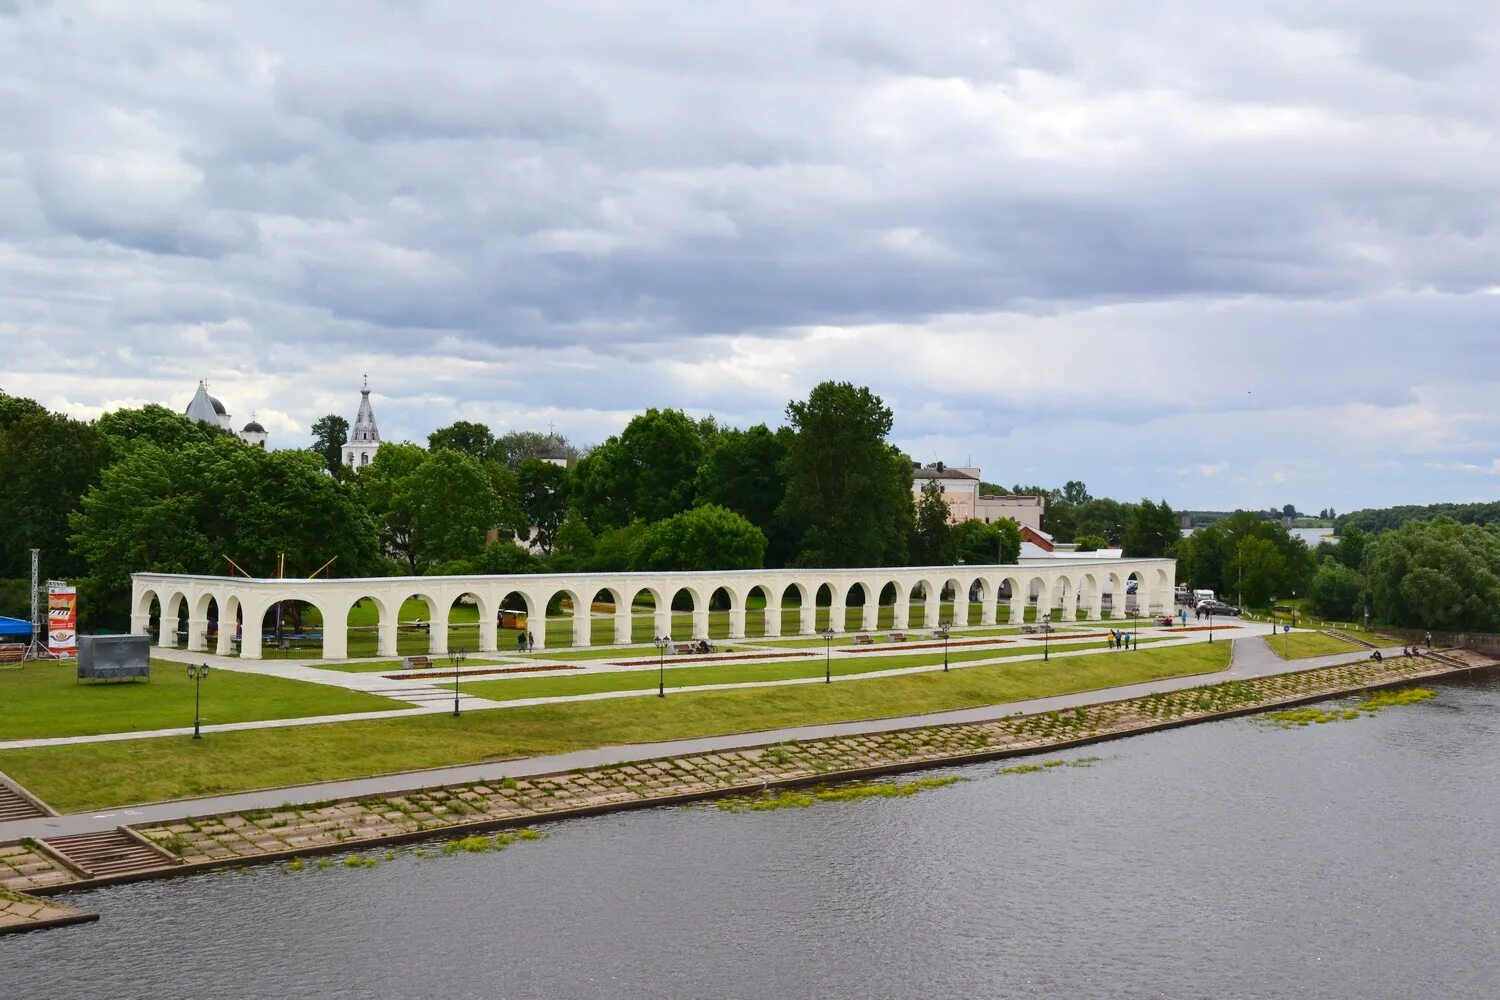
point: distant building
(364, 436)
(966, 503)
(554, 452)
(207, 409)
(254, 434)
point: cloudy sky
(1233, 255)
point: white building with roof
(364, 436)
(206, 409)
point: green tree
(454, 505)
(392, 498)
(1103, 517)
(646, 473)
(543, 496)
(1337, 592)
(932, 539)
(13, 408)
(573, 547)
(47, 463)
(980, 544)
(848, 491)
(466, 436)
(1091, 543)
(156, 424)
(330, 432)
(1152, 530)
(1257, 571)
(1436, 574)
(1350, 548)
(742, 471)
(615, 548)
(1075, 493)
(706, 537)
(183, 510)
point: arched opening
(649, 615)
(982, 600)
(567, 619)
(419, 615)
(231, 628)
(203, 624)
(723, 605)
(364, 623)
(794, 601)
(1039, 596)
(856, 601)
(689, 615)
(172, 630)
(955, 610)
(757, 602)
(465, 612)
(924, 605)
(1114, 598)
(1137, 593)
(1064, 598)
(514, 620)
(1089, 597)
(292, 628)
(1013, 593)
(823, 603)
(609, 618)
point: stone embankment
(199, 843)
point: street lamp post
(458, 660)
(1135, 629)
(1210, 626)
(1046, 637)
(944, 631)
(828, 655)
(662, 642)
(197, 672)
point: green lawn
(44, 699)
(1300, 645)
(776, 670)
(91, 776)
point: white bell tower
(364, 436)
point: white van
(1199, 596)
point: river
(1229, 860)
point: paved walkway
(1252, 659)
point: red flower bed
(888, 646)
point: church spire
(364, 436)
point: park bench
(864, 639)
(411, 662)
(684, 648)
(898, 636)
(12, 652)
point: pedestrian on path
(1183, 613)
(530, 643)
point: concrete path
(1252, 659)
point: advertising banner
(62, 620)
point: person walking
(1428, 640)
(530, 643)
(520, 642)
(1183, 612)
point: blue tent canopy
(14, 628)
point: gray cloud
(1059, 238)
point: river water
(1228, 860)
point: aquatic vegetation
(295, 865)
(789, 799)
(1049, 764)
(1370, 705)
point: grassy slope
(1300, 645)
(91, 776)
(44, 699)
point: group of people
(1119, 639)
(525, 642)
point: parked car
(1218, 608)
(1131, 586)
